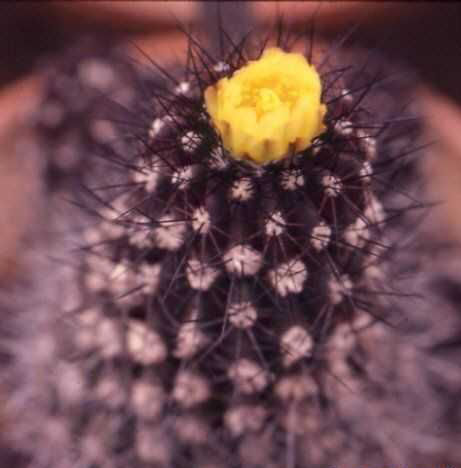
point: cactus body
(221, 313)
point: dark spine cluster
(224, 315)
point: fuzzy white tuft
(201, 220)
(242, 315)
(274, 224)
(242, 260)
(190, 389)
(296, 344)
(339, 288)
(320, 237)
(288, 277)
(190, 141)
(332, 184)
(242, 189)
(169, 235)
(144, 344)
(248, 377)
(291, 179)
(199, 275)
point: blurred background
(427, 35)
(423, 35)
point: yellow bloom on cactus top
(269, 108)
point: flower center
(267, 97)
(266, 100)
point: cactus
(225, 313)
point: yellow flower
(269, 108)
